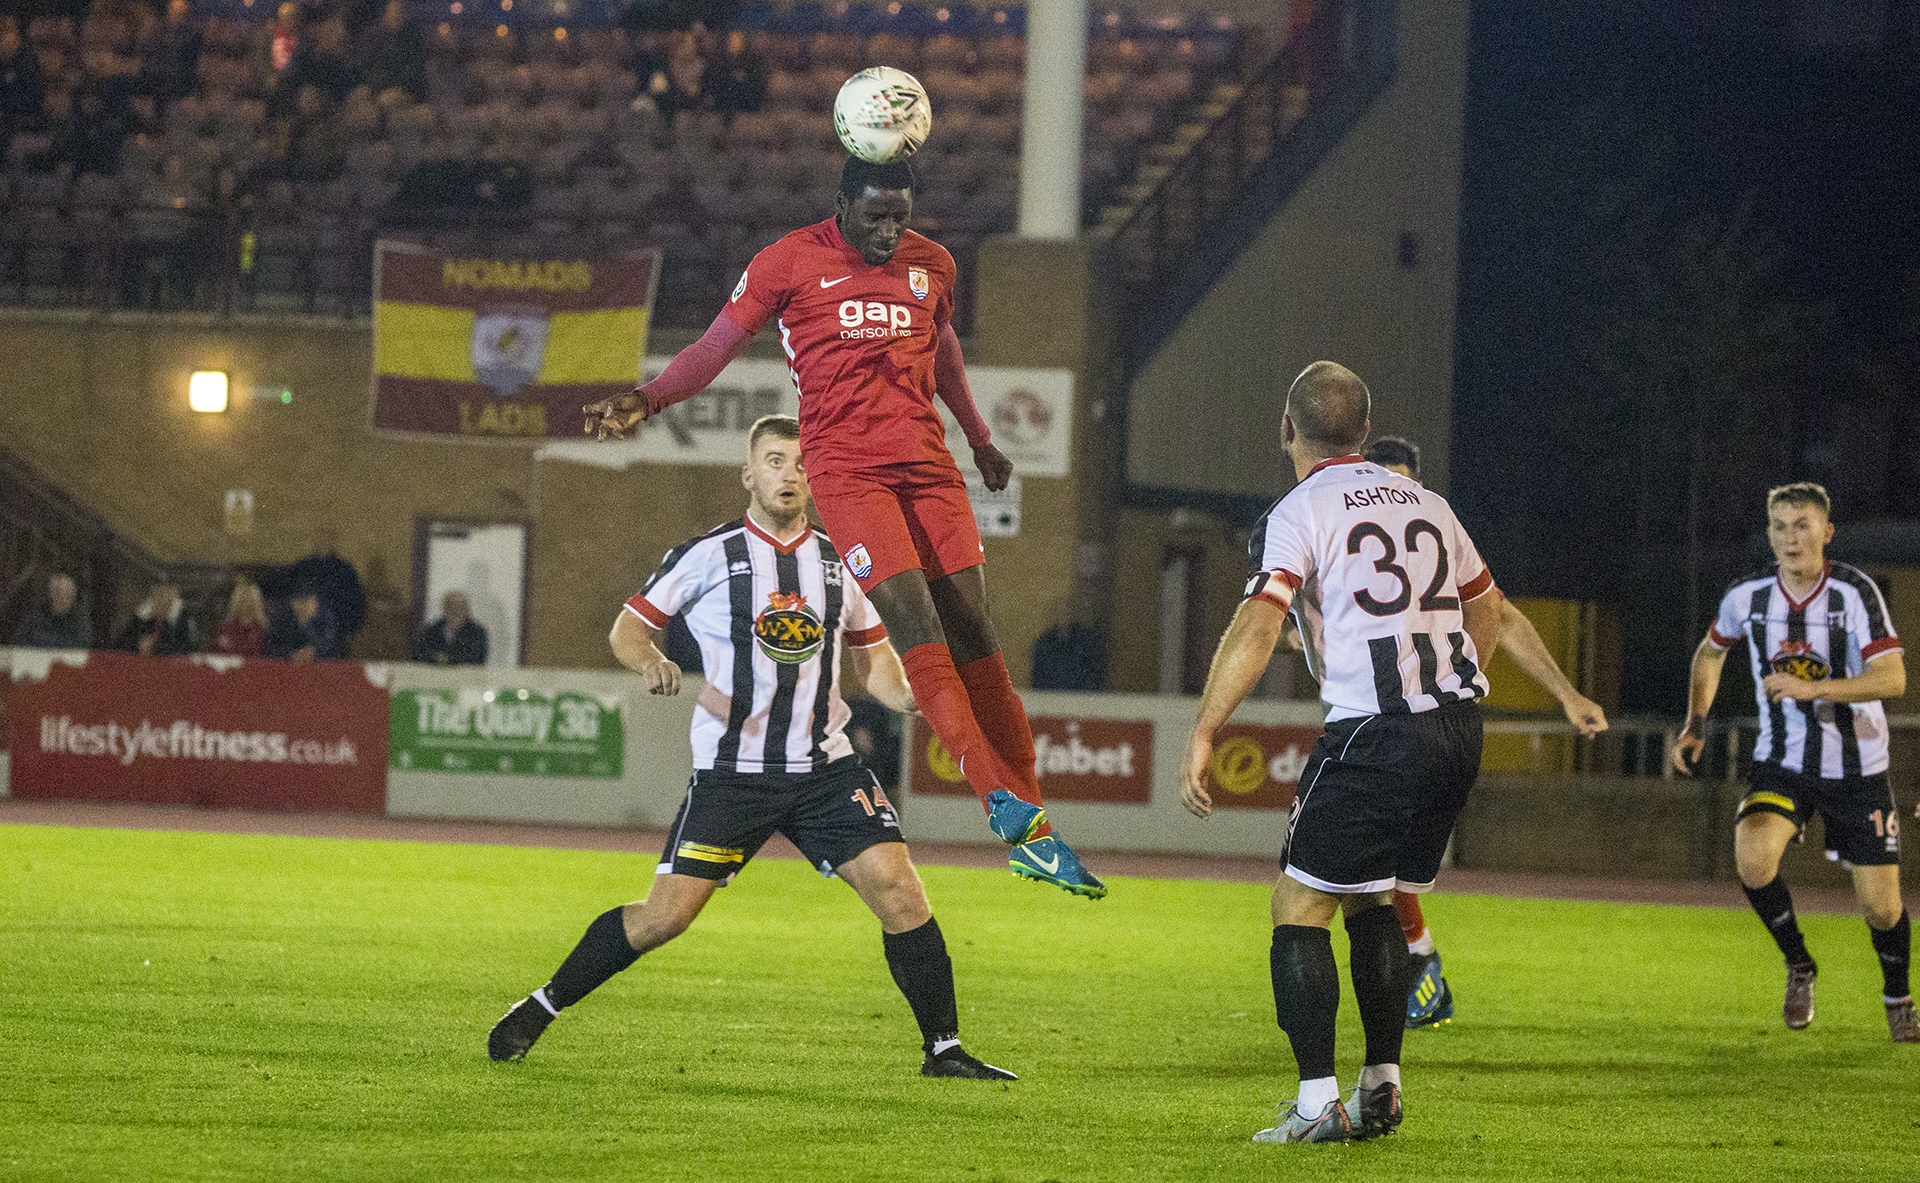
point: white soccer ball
(882, 114)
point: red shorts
(887, 520)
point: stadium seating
(555, 90)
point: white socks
(1424, 945)
(1314, 1095)
(1375, 1075)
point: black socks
(1774, 904)
(1377, 956)
(1306, 994)
(601, 953)
(921, 968)
(1894, 945)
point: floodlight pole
(1052, 119)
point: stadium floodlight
(207, 391)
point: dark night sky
(1587, 117)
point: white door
(489, 563)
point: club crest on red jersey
(917, 282)
(859, 562)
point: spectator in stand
(92, 138)
(454, 639)
(309, 141)
(160, 626)
(738, 80)
(22, 93)
(58, 620)
(320, 61)
(296, 636)
(244, 631)
(681, 84)
(343, 599)
(395, 57)
(278, 44)
(170, 65)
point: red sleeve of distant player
(763, 287)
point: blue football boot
(1431, 1002)
(1014, 820)
(1049, 860)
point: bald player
(1399, 608)
(1430, 998)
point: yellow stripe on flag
(423, 341)
(593, 347)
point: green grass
(188, 1006)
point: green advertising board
(517, 732)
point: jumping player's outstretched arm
(950, 383)
(1522, 642)
(685, 376)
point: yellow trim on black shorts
(1760, 798)
(710, 854)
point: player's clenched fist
(661, 677)
(616, 415)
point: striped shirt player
(1823, 654)
(771, 617)
(1378, 570)
(1395, 607)
(1833, 631)
(772, 607)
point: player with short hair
(865, 310)
(1399, 606)
(1824, 656)
(767, 599)
(1430, 998)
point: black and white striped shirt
(1376, 568)
(1839, 627)
(770, 617)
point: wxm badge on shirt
(917, 282)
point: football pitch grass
(194, 1006)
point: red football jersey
(860, 342)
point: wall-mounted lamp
(207, 391)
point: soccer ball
(882, 114)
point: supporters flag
(478, 347)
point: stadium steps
(44, 528)
(1206, 191)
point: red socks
(965, 707)
(942, 698)
(1003, 723)
(1412, 922)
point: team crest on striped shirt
(1799, 659)
(788, 629)
(917, 282)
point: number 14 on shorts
(877, 803)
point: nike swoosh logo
(1051, 868)
(842, 279)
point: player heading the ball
(865, 309)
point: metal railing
(1643, 747)
(1245, 164)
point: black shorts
(1379, 797)
(831, 815)
(1862, 825)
